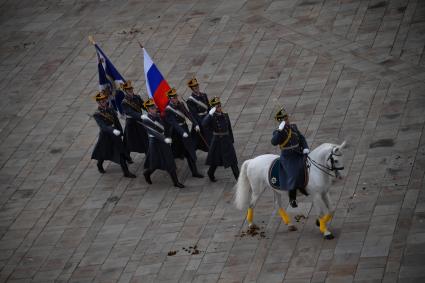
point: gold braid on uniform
(132, 105)
(107, 116)
(285, 142)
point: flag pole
(141, 46)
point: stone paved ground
(345, 69)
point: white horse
(325, 163)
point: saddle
(273, 176)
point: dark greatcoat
(159, 155)
(179, 126)
(108, 146)
(199, 106)
(292, 160)
(135, 136)
(221, 152)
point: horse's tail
(242, 187)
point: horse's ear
(343, 145)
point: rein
(323, 168)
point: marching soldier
(221, 152)
(159, 155)
(109, 145)
(135, 136)
(176, 114)
(294, 148)
(198, 105)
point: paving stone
(350, 70)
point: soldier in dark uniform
(109, 145)
(159, 155)
(198, 105)
(135, 136)
(294, 148)
(221, 152)
(176, 115)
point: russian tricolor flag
(156, 85)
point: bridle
(325, 169)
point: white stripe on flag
(147, 64)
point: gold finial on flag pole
(91, 39)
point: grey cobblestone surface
(352, 69)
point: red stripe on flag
(160, 95)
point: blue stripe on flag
(154, 78)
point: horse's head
(335, 160)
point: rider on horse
(294, 148)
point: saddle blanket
(274, 175)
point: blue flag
(110, 78)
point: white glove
(185, 135)
(197, 128)
(168, 140)
(282, 125)
(116, 132)
(306, 151)
(212, 111)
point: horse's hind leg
(322, 203)
(256, 193)
(283, 214)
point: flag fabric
(109, 77)
(156, 85)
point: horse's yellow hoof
(252, 226)
(328, 235)
(292, 228)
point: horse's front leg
(327, 201)
(322, 202)
(283, 214)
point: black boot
(293, 198)
(175, 180)
(193, 169)
(125, 170)
(211, 172)
(147, 173)
(100, 166)
(235, 171)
